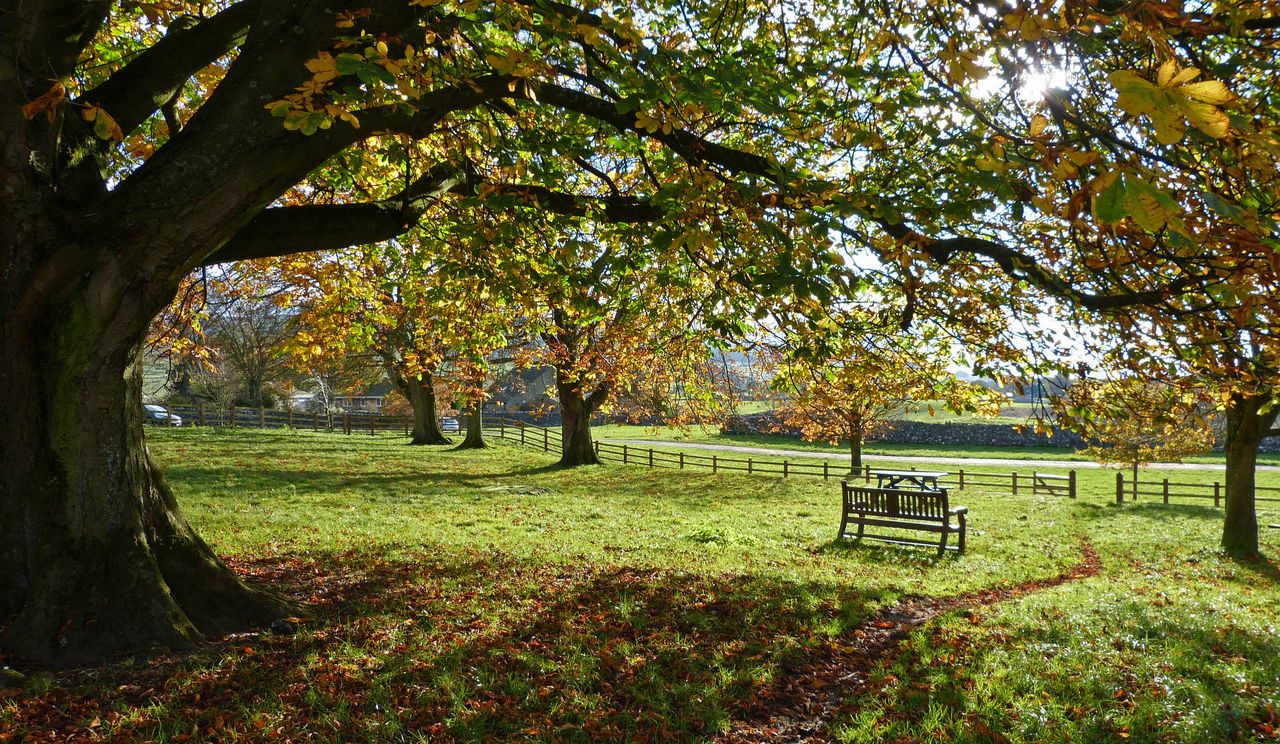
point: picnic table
(923, 480)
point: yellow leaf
(1185, 76)
(103, 124)
(1211, 120)
(323, 68)
(1210, 91)
(1166, 72)
(1169, 125)
(1038, 124)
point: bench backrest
(896, 502)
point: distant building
(369, 400)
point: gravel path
(797, 454)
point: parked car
(450, 425)
(156, 416)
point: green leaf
(1108, 207)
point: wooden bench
(927, 511)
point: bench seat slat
(906, 524)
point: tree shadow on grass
(470, 646)
(872, 551)
(1154, 510)
(245, 482)
(1080, 675)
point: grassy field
(469, 596)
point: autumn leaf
(46, 103)
(103, 124)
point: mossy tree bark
(98, 558)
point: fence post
(262, 417)
(825, 464)
(1119, 488)
(546, 443)
(650, 457)
(714, 464)
(289, 417)
(1071, 483)
(597, 446)
(202, 414)
(346, 422)
(373, 421)
(502, 428)
(168, 415)
(1015, 483)
(624, 455)
(1166, 490)
(866, 473)
(784, 468)
(521, 435)
(682, 461)
(1217, 494)
(233, 416)
(749, 466)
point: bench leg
(942, 544)
(862, 527)
(844, 522)
(961, 542)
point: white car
(157, 416)
(450, 426)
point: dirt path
(811, 693)
(817, 455)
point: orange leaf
(46, 103)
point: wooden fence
(548, 440)
(239, 417)
(1167, 490)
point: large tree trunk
(97, 557)
(421, 393)
(1246, 428)
(576, 447)
(475, 428)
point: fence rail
(1166, 490)
(548, 440)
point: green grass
(491, 596)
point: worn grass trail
(812, 692)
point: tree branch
(280, 231)
(140, 88)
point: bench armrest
(959, 510)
